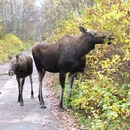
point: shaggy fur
(66, 55)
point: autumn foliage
(9, 44)
(102, 94)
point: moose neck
(83, 46)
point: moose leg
(70, 83)
(21, 91)
(18, 80)
(62, 77)
(41, 75)
(32, 94)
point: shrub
(103, 96)
(9, 44)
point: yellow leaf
(115, 108)
(124, 99)
(102, 127)
(108, 104)
(107, 97)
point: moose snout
(111, 38)
(10, 73)
(109, 43)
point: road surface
(31, 116)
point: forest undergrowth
(102, 97)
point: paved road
(27, 117)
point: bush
(103, 96)
(9, 44)
(103, 101)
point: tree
(31, 19)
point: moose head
(97, 37)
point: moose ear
(10, 57)
(17, 56)
(82, 29)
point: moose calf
(21, 66)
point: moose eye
(20, 60)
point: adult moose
(21, 66)
(67, 55)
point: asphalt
(27, 117)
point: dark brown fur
(21, 66)
(67, 55)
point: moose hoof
(39, 98)
(18, 100)
(32, 97)
(42, 106)
(61, 107)
(69, 107)
(21, 104)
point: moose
(21, 66)
(67, 55)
